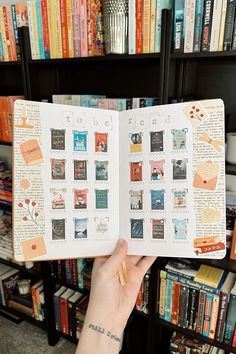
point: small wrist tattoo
(103, 331)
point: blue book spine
(160, 5)
(1, 48)
(198, 25)
(207, 315)
(40, 29)
(231, 320)
(179, 25)
(121, 104)
(168, 302)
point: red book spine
(74, 272)
(7, 33)
(139, 41)
(64, 29)
(175, 303)
(76, 27)
(234, 338)
(46, 41)
(139, 300)
(64, 316)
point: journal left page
(66, 181)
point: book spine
(206, 31)
(175, 303)
(192, 308)
(68, 273)
(229, 24)
(64, 316)
(152, 26)
(35, 308)
(40, 29)
(35, 30)
(168, 302)
(201, 310)
(214, 314)
(58, 29)
(138, 303)
(99, 30)
(198, 25)
(74, 272)
(162, 294)
(51, 29)
(139, 23)
(64, 30)
(215, 30)
(83, 29)
(234, 36)
(222, 25)
(1, 59)
(3, 32)
(183, 305)
(146, 25)
(11, 33)
(16, 34)
(57, 312)
(30, 19)
(189, 25)
(46, 42)
(76, 27)
(234, 338)
(231, 320)
(207, 315)
(70, 318)
(70, 28)
(5, 23)
(179, 25)
(132, 27)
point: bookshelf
(165, 75)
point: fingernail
(121, 243)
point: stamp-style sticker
(101, 170)
(157, 141)
(31, 152)
(80, 170)
(195, 113)
(58, 229)
(58, 198)
(211, 215)
(179, 139)
(101, 142)
(136, 140)
(158, 229)
(180, 198)
(58, 139)
(136, 228)
(179, 169)
(158, 199)
(102, 226)
(101, 198)
(80, 228)
(35, 247)
(136, 200)
(136, 171)
(79, 140)
(206, 175)
(80, 198)
(157, 170)
(58, 169)
(180, 229)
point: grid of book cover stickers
(85, 177)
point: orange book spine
(64, 29)
(7, 33)
(64, 316)
(46, 41)
(146, 25)
(35, 307)
(7, 130)
(11, 33)
(139, 300)
(90, 24)
(139, 24)
(84, 31)
(175, 303)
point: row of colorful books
(202, 299)
(183, 345)
(100, 101)
(11, 18)
(70, 308)
(6, 116)
(204, 25)
(6, 250)
(73, 272)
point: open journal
(84, 177)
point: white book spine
(215, 30)
(222, 25)
(132, 27)
(31, 31)
(189, 25)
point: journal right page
(172, 180)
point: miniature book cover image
(84, 177)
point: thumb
(118, 256)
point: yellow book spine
(35, 30)
(152, 26)
(222, 25)
(146, 26)
(58, 29)
(3, 33)
(51, 28)
(162, 293)
(70, 28)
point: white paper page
(77, 215)
(160, 212)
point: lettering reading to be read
(102, 331)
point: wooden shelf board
(200, 55)
(23, 317)
(192, 334)
(22, 268)
(9, 63)
(5, 143)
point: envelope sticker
(34, 247)
(206, 175)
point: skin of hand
(111, 303)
